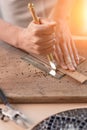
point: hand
(66, 52)
(38, 38)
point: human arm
(38, 39)
(66, 52)
(9, 33)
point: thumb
(48, 22)
(52, 23)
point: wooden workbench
(23, 83)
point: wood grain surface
(24, 83)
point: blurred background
(78, 19)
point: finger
(42, 28)
(76, 55)
(71, 53)
(45, 46)
(47, 21)
(47, 51)
(67, 57)
(43, 38)
(50, 43)
(59, 57)
(56, 58)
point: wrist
(20, 37)
(57, 17)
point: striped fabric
(16, 11)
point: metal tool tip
(52, 72)
(52, 65)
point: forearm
(62, 9)
(9, 33)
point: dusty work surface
(23, 83)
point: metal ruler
(42, 64)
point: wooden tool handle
(33, 13)
(37, 20)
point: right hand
(38, 38)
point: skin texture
(66, 53)
(37, 39)
(41, 38)
(47, 37)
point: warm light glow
(79, 18)
(85, 17)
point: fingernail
(75, 65)
(72, 68)
(77, 61)
(64, 67)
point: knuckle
(35, 40)
(35, 32)
(68, 60)
(38, 48)
(53, 41)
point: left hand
(66, 53)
